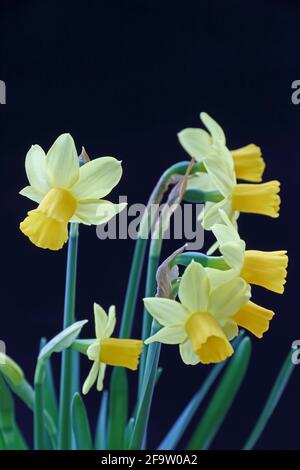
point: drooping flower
(201, 323)
(263, 268)
(66, 192)
(247, 161)
(106, 350)
(220, 165)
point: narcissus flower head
(66, 192)
(246, 161)
(264, 268)
(201, 323)
(109, 351)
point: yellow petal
(266, 269)
(96, 212)
(100, 379)
(257, 198)
(209, 341)
(97, 178)
(62, 162)
(228, 297)
(43, 231)
(248, 163)
(121, 352)
(254, 318)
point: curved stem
(39, 432)
(64, 436)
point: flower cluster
(214, 302)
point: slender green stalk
(101, 430)
(272, 401)
(39, 432)
(141, 243)
(154, 255)
(64, 436)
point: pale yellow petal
(111, 321)
(169, 335)
(187, 353)
(214, 128)
(167, 312)
(196, 142)
(97, 178)
(101, 375)
(62, 162)
(228, 298)
(35, 166)
(91, 378)
(194, 288)
(32, 194)
(101, 320)
(96, 212)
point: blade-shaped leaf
(10, 369)
(80, 424)
(50, 398)
(272, 401)
(222, 398)
(7, 416)
(118, 408)
(101, 430)
(61, 341)
(179, 427)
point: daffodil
(247, 161)
(263, 268)
(66, 192)
(201, 323)
(106, 350)
(221, 167)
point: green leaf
(26, 393)
(272, 401)
(145, 399)
(80, 424)
(50, 398)
(179, 427)
(101, 430)
(118, 408)
(7, 416)
(222, 398)
(21, 444)
(61, 341)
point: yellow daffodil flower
(263, 268)
(247, 161)
(109, 351)
(66, 193)
(220, 165)
(201, 323)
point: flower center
(257, 198)
(58, 204)
(208, 339)
(121, 352)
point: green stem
(154, 255)
(141, 244)
(64, 436)
(39, 432)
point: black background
(123, 78)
